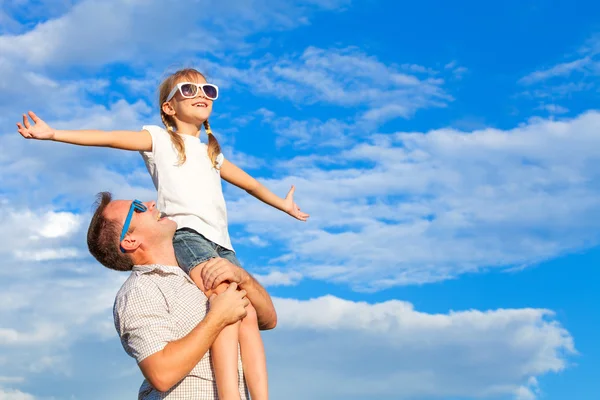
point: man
(160, 314)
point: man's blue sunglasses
(136, 206)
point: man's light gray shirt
(159, 304)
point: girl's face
(193, 110)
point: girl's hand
(292, 208)
(39, 130)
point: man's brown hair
(103, 238)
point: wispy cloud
(553, 109)
(386, 209)
(12, 394)
(427, 355)
(457, 70)
(364, 89)
(420, 206)
(425, 207)
(480, 198)
(447, 351)
(559, 70)
(34, 235)
(279, 278)
(344, 77)
(90, 33)
(11, 379)
(313, 132)
(580, 71)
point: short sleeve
(220, 158)
(143, 321)
(158, 136)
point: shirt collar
(144, 269)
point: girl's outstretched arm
(238, 177)
(125, 140)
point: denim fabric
(191, 249)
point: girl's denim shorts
(191, 249)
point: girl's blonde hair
(163, 91)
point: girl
(186, 174)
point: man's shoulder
(138, 285)
(149, 280)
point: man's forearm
(167, 367)
(261, 301)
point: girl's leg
(251, 346)
(192, 251)
(253, 356)
(224, 351)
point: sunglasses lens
(139, 206)
(210, 91)
(189, 90)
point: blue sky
(446, 154)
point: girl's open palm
(292, 208)
(39, 129)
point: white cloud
(452, 202)
(559, 70)
(345, 77)
(73, 38)
(554, 108)
(37, 91)
(368, 91)
(314, 133)
(44, 318)
(53, 225)
(457, 70)
(466, 354)
(418, 207)
(47, 254)
(424, 207)
(11, 394)
(279, 278)
(579, 72)
(459, 353)
(34, 234)
(51, 363)
(530, 391)
(93, 288)
(253, 241)
(346, 349)
(42, 333)
(70, 176)
(387, 112)
(11, 379)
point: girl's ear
(167, 108)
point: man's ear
(130, 243)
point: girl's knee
(221, 288)
(196, 275)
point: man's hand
(39, 129)
(229, 306)
(219, 270)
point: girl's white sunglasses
(190, 90)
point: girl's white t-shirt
(191, 193)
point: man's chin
(172, 228)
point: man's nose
(150, 204)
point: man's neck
(164, 255)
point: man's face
(145, 228)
